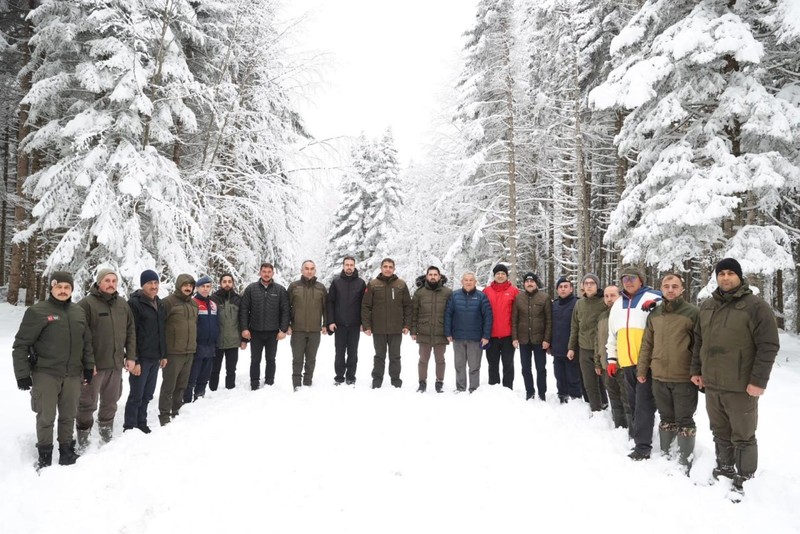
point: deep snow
(347, 459)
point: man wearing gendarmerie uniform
(736, 342)
(626, 324)
(51, 352)
(501, 293)
(307, 311)
(386, 313)
(150, 318)
(264, 320)
(344, 319)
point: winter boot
(67, 454)
(686, 437)
(666, 434)
(723, 470)
(422, 386)
(638, 456)
(439, 386)
(106, 431)
(45, 456)
(164, 419)
(83, 438)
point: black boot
(422, 386)
(439, 386)
(67, 454)
(45, 456)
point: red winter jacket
(501, 297)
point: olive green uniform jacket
(532, 318)
(583, 329)
(181, 322)
(307, 309)
(113, 329)
(58, 333)
(736, 341)
(668, 342)
(386, 306)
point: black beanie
(500, 268)
(60, 277)
(562, 280)
(729, 264)
(148, 276)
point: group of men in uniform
(639, 349)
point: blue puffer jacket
(562, 323)
(468, 316)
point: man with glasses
(626, 323)
(582, 336)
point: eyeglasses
(629, 278)
(589, 283)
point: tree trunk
(4, 203)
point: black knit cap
(729, 264)
(60, 277)
(532, 276)
(500, 268)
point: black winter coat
(151, 337)
(264, 309)
(344, 300)
(562, 324)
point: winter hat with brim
(148, 276)
(500, 268)
(102, 273)
(532, 276)
(591, 276)
(205, 279)
(729, 264)
(632, 270)
(62, 277)
(561, 280)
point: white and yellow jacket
(626, 324)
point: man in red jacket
(501, 294)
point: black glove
(88, 374)
(25, 383)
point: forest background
(577, 135)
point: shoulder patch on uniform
(51, 318)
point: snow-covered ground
(331, 459)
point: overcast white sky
(388, 61)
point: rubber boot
(667, 432)
(45, 456)
(422, 386)
(83, 438)
(106, 431)
(67, 454)
(686, 438)
(164, 419)
(439, 386)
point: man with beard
(230, 339)
(427, 325)
(532, 330)
(344, 320)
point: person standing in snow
(386, 313)
(264, 320)
(181, 327)
(626, 323)
(229, 341)
(51, 352)
(615, 386)
(667, 353)
(427, 324)
(531, 332)
(207, 336)
(501, 293)
(110, 319)
(344, 320)
(149, 316)
(468, 326)
(736, 343)
(307, 323)
(582, 337)
(567, 372)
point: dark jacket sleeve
(130, 337)
(696, 368)
(88, 348)
(574, 327)
(415, 312)
(486, 309)
(29, 330)
(515, 319)
(244, 310)
(366, 309)
(407, 311)
(646, 350)
(765, 335)
(283, 306)
(548, 320)
(449, 309)
(330, 305)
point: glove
(612, 369)
(88, 374)
(25, 383)
(649, 305)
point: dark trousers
(540, 360)
(643, 408)
(346, 341)
(200, 373)
(733, 417)
(592, 382)
(568, 377)
(501, 348)
(231, 359)
(141, 392)
(618, 398)
(676, 402)
(263, 342)
(381, 342)
(51, 397)
(304, 357)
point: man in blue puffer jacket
(207, 334)
(468, 326)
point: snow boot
(164, 419)
(106, 431)
(45, 456)
(723, 470)
(686, 438)
(422, 386)
(667, 432)
(439, 386)
(638, 456)
(67, 454)
(83, 438)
